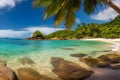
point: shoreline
(104, 39)
(115, 43)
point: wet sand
(105, 74)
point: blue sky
(19, 19)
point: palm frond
(42, 3)
(70, 19)
(53, 8)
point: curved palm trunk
(113, 5)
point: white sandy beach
(104, 39)
(115, 42)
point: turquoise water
(17, 47)
(41, 51)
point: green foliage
(65, 10)
(93, 30)
(62, 34)
(37, 33)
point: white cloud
(26, 32)
(12, 33)
(106, 14)
(78, 20)
(8, 3)
(45, 30)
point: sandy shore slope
(115, 42)
(104, 40)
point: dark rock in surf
(68, 48)
(115, 66)
(78, 55)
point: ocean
(11, 50)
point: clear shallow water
(41, 51)
(16, 47)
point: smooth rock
(115, 66)
(114, 57)
(67, 70)
(109, 58)
(93, 62)
(103, 65)
(90, 61)
(104, 58)
(30, 74)
(7, 74)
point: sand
(115, 43)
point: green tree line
(92, 30)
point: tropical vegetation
(37, 33)
(88, 31)
(65, 10)
(92, 30)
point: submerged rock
(26, 60)
(72, 45)
(6, 74)
(78, 55)
(68, 48)
(3, 63)
(90, 61)
(30, 74)
(67, 70)
(95, 52)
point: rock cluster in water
(65, 70)
(104, 61)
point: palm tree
(65, 10)
(113, 5)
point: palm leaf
(59, 18)
(70, 19)
(53, 8)
(42, 3)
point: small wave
(115, 46)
